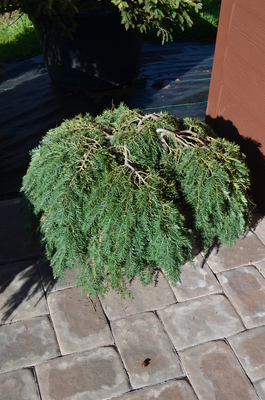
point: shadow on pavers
(20, 284)
(22, 291)
(255, 160)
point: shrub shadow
(255, 160)
(24, 289)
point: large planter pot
(101, 55)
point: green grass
(211, 11)
(17, 37)
(204, 24)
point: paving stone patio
(249, 347)
(196, 281)
(72, 313)
(19, 384)
(141, 340)
(260, 387)
(203, 339)
(216, 373)
(200, 320)
(244, 286)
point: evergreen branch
(141, 118)
(174, 136)
(128, 165)
(181, 136)
(207, 164)
(107, 135)
(85, 158)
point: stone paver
(14, 240)
(216, 374)
(246, 250)
(201, 320)
(245, 287)
(261, 267)
(93, 375)
(260, 387)
(19, 384)
(146, 298)
(79, 323)
(196, 282)
(49, 283)
(260, 230)
(173, 390)
(249, 347)
(21, 291)
(141, 338)
(26, 343)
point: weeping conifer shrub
(118, 195)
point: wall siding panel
(236, 103)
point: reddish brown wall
(236, 103)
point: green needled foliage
(119, 194)
(160, 15)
